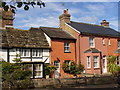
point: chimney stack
(104, 23)
(65, 17)
(6, 19)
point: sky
(86, 12)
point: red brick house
(93, 42)
(62, 48)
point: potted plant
(49, 70)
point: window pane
(66, 47)
(91, 41)
(95, 61)
(88, 61)
(119, 43)
(37, 70)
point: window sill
(67, 52)
(96, 68)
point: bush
(72, 68)
(12, 73)
(112, 66)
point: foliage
(72, 68)
(112, 66)
(13, 5)
(49, 69)
(12, 72)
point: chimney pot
(104, 23)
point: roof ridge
(49, 27)
(89, 24)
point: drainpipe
(101, 68)
(79, 47)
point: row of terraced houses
(83, 43)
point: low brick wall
(66, 82)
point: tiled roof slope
(91, 29)
(57, 33)
(32, 38)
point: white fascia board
(72, 28)
(48, 38)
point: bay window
(88, 62)
(95, 60)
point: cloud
(90, 19)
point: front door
(57, 72)
(104, 65)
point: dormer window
(91, 41)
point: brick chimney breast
(6, 18)
(104, 23)
(65, 17)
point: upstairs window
(109, 43)
(24, 52)
(103, 41)
(118, 43)
(66, 47)
(91, 41)
(36, 52)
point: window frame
(97, 61)
(92, 42)
(38, 52)
(118, 44)
(109, 42)
(24, 52)
(103, 41)
(88, 62)
(66, 45)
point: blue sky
(87, 12)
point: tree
(72, 68)
(112, 66)
(15, 75)
(14, 5)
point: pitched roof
(32, 38)
(57, 33)
(92, 50)
(91, 29)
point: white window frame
(96, 62)
(118, 44)
(109, 43)
(66, 47)
(25, 54)
(88, 61)
(103, 41)
(38, 70)
(36, 52)
(92, 42)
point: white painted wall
(3, 54)
(13, 52)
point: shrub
(72, 68)
(112, 66)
